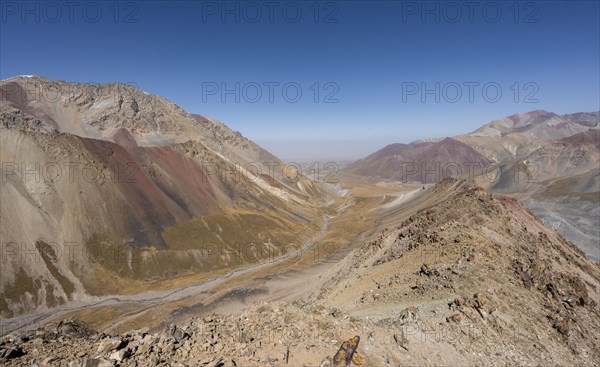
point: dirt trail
(153, 297)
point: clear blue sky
(373, 54)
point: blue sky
(370, 60)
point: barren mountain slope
(521, 134)
(103, 111)
(418, 162)
(499, 141)
(551, 162)
(560, 182)
(110, 193)
(473, 280)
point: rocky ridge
(476, 279)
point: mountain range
(135, 233)
(550, 162)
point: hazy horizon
(406, 72)
(321, 148)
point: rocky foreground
(264, 335)
(473, 280)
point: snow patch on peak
(19, 76)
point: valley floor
(285, 278)
(436, 275)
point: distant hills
(497, 141)
(551, 162)
(419, 161)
